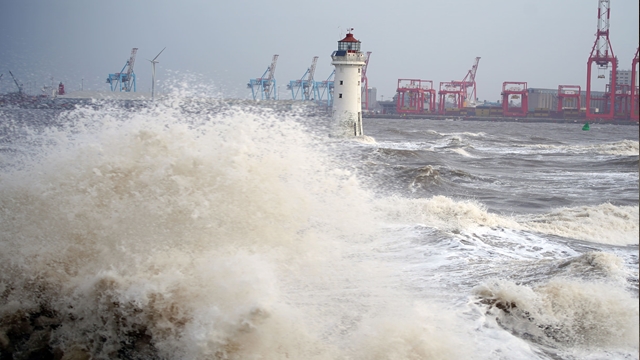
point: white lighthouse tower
(347, 108)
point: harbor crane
(602, 55)
(364, 83)
(303, 87)
(325, 87)
(634, 86)
(124, 80)
(468, 85)
(17, 84)
(265, 85)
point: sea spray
(173, 233)
(573, 312)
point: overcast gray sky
(222, 44)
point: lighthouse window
(340, 96)
(341, 82)
(358, 70)
(348, 46)
(358, 82)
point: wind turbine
(153, 72)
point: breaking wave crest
(563, 311)
(621, 148)
(172, 234)
(604, 223)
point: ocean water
(193, 230)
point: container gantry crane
(364, 82)
(634, 87)
(265, 86)
(454, 91)
(413, 94)
(602, 55)
(304, 87)
(124, 81)
(323, 88)
(572, 92)
(514, 90)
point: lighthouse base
(348, 124)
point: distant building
(387, 107)
(623, 77)
(372, 93)
(547, 99)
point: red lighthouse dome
(349, 43)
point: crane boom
(128, 82)
(132, 60)
(124, 81)
(602, 40)
(469, 84)
(16, 81)
(266, 84)
(272, 67)
(366, 64)
(364, 83)
(308, 89)
(474, 69)
(602, 55)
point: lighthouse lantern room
(347, 111)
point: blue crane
(304, 87)
(124, 81)
(323, 88)
(266, 84)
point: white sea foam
(604, 223)
(461, 152)
(230, 236)
(621, 148)
(583, 314)
(171, 232)
(445, 213)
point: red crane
(412, 94)
(568, 92)
(453, 90)
(514, 90)
(469, 85)
(602, 55)
(364, 83)
(634, 87)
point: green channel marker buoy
(586, 127)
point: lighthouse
(347, 108)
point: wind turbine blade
(159, 54)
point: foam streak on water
(178, 232)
